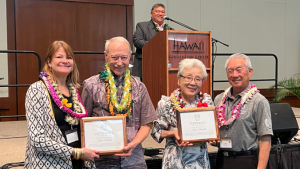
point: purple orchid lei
(80, 114)
(236, 110)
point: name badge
(71, 136)
(225, 143)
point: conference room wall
(3, 46)
(257, 26)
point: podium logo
(185, 47)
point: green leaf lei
(157, 30)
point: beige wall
(3, 46)
(256, 26)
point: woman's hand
(89, 155)
(215, 143)
(181, 144)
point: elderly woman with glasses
(191, 75)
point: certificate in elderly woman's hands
(197, 124)
(106, 134)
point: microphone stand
(214, 41)
(179, 23)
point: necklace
(111, 92)
(176, 100)
(236, 110)
(157, 30)
(72, 117)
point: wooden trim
(104, 118)
(112, 2)
(167, 65)
(197, 110)
(176, 69)
(210, 63)
(189, 32)
(129, 26)
(4, 104)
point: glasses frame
(118, 57)
(189, 81)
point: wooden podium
(170, 47)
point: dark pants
(247, 160)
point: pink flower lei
(79, 109)
(236, 110)
(176, 101)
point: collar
(159, 27)
(197, 98)
(118, 80)
(240, 94)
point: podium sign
(188, 45)
(169, 48)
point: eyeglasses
(158, 11)
(115, 58)
(189, 79)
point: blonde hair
(73, 77)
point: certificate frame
(86, 123)
(208, 125)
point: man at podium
(144, 32)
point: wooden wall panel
(84, 26)
(116, 2)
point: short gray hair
(189, 64)
(118, 38)
(240, 55)
(157, 5)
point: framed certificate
(197, 124)
(106, 134)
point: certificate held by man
(197, 125)
(106, 134)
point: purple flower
(42, 74)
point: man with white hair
(244, 119)
(131, 99)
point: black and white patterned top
(195, 157)
(46, 146)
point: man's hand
(140, 136)
(264, 151)
(128, 148)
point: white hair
(240, 55)
(189, 64)
(118, 38)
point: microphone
(179, 23)
(167, 18)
